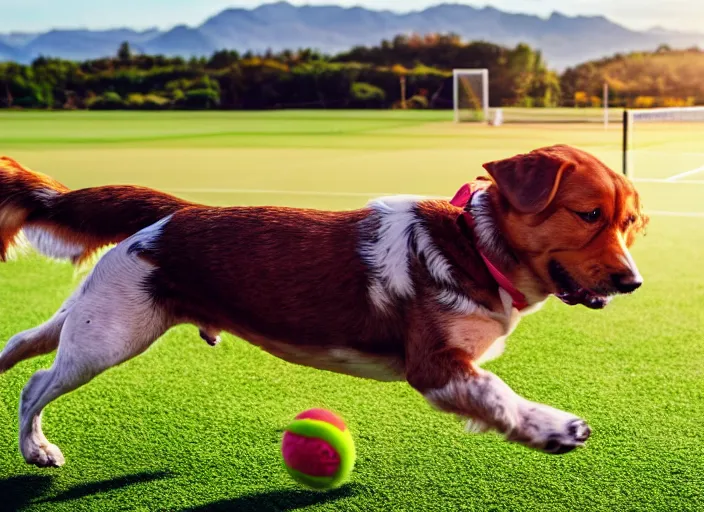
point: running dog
(406, 288)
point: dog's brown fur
(29, 198)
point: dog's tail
(72, 224)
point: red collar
(462, 198)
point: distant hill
(17, 39)
(8, 52)
(82, 44)
(564, 40)
(180, 40)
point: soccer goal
(470, 88)
(664, 144)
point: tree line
(663, 78)
(408, 71)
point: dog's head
(571, 220)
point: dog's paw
(549, 430)
(44, 456)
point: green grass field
(190, 427)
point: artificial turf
(190, 427)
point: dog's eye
(631, 220)
(590, 217)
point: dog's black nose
(627, 283)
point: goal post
(626, 144)
(605, 105)
(470, 91)
(677, 130)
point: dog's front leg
(490, 403)
(444, 371)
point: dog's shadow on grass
(95, 488)
(278, 501)
(19, 492)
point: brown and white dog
(405, 288)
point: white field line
(667, 153)
(668, 180)
(318, 193)
(264, 191)
(657, 213)
(676, 177)
(323, 193)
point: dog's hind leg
(85, 350)
(36, 341)
(113, 319)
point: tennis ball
(318, 449)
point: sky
(41, 15)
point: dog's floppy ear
(529, 182)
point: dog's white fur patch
(439, 268)
(131, 269)
(627, 260)
(47, 243)
(457, 302)
(391, 236)
(379, 295)
(485, 228)
(388, 251)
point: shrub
(178, 96)
(525, 102)
(366, 95)
(106, 101)
(670, 101)
(417, 102)
(147, 102)
(135, 101)
(201, 99)
(580, 99)
(155, 102)
(644, 102)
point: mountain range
(564, 40)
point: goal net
(471, 95)
(664, 144)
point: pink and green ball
(318, 449)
